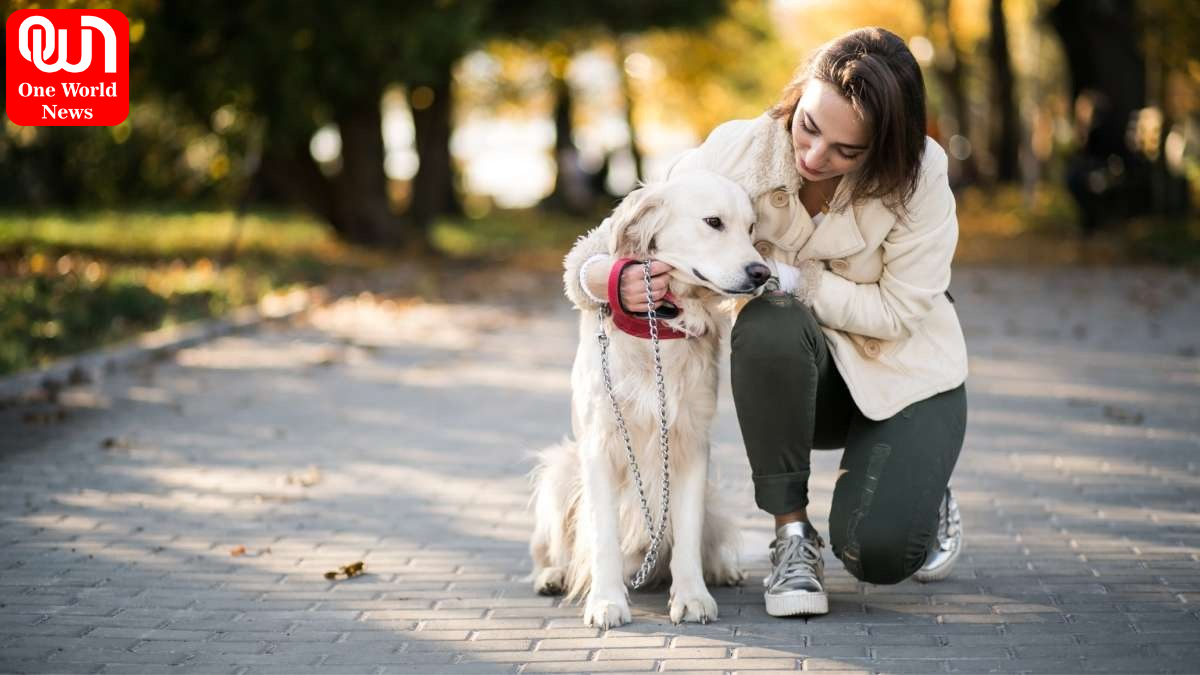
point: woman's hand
(633, 285)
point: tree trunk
(571, 193)
(952, 76)
(1005, 132)
(354, 202)
(627, 94)
(360, 189)
(1108, 79)
(289, 171)
(1168, 188)
(433, 192)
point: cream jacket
(878, 286)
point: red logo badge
(67, 67)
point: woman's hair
(873, 69)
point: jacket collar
(757, 154)
(773, 165)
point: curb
(90, 366)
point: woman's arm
(916, 268)
(594, 242)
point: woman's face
(828, 137)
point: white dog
(590, 534)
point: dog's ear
(636, 220)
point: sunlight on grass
(70, 282)
(74, 281)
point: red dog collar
(637, 326)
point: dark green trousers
(791, 399)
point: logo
(67, 67)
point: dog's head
(698, 222)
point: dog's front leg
(607, 602)
(690, 599)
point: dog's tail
(543, 460)
(557, 491)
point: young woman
(857, 345)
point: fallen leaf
(240, 551)
(352, 570)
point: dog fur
(590, 535)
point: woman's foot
(796, 585)
(948, 542)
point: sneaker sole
(798, 604)
(941, 572)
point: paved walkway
(396, 433)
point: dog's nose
(758, 273)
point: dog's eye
(715, 223)
(752, 229)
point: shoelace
(799, 557)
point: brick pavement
(395, 434)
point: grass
(516, 237)
(1005, 226)
(70, 282)
(74, 281)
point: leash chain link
(656, 534)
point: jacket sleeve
(916, 268)
(593, 242)
(587, 245)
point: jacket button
(871, 347)
(779, 199)
(839, 266)
(763, 247)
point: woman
(857, 345)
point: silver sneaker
(796, 585)
(948, 544)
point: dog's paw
(728, 575)
(550, 581)
(605, 613)
(693, 605)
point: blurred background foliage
(273, 143)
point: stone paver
(397, 433)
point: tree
(298, 66)
(1171, 41)
(949, 65)
(568, 25)
(1006, 126)
(1107, 74)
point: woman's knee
(881, 557)
(773, 327)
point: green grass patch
(508, 235)
(71, 282)
(1005, 225)
(74, 281)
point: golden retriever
(590, 535)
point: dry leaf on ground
(352, 570)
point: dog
(590, 535)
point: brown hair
(873, 69)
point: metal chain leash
(656, 534)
